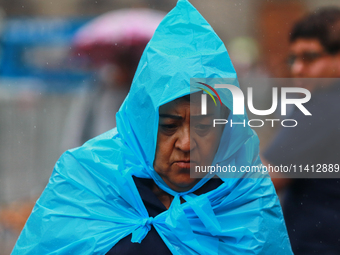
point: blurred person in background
(111, 45)
(312, 206)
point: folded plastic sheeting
(91, 201)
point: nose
(184, 141)
(297, 68)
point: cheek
(217, 138)
(208, 146)
(322, 69)
(163, 152)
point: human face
(309, 59)
(177, 149)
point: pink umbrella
(116, 32)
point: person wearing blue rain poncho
(95, 200)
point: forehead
(306, 45)
(190, 105)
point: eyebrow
(202, 116)
(170, 116)
(180, 117)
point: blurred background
(52, 73)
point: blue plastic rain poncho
(91, 201)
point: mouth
(185, 164)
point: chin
(184, 185)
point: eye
(306, 57)
(168, 126)
(168, 129)
(202, 129)
(312, 56)
(291, 60)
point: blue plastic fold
(91, 201)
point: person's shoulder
(105, 148)
(327, 107)
(328, 95)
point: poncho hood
(184, 47)
(91, 201)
